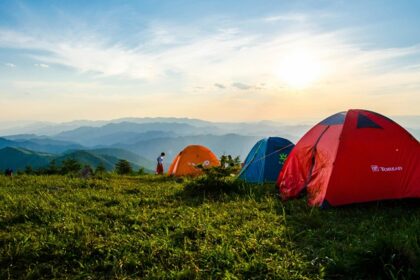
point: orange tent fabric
(185, 162)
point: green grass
(149, 227)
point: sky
(214, 60)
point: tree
(100, 169)
(141, 171)
(123, 167)
(86, 171)
(52, 168)
(70, 165)
(29, 170)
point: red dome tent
(354, 156)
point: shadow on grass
(376, 240)
(206, 189)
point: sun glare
(300, 69)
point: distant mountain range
(19, 158)
(232, 144)
(126, 132)
(138, 140)
(107, 157)
(39, 144)
(411, 123)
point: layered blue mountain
(141, 140)
(19, 158)
(39, 144)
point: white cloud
(241, 86)
(11, 65)
(228, 56)
(42, 65)
(220, 86)
(353, 74)
(286, 17)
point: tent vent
(335, 119)
(364, 122)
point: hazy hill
(220, 144)
(127, 131)
(19, 158)
(50, 128)
(124, 154)
(15, 137)
(260, 128)
(94, 159)
(44, 128)
(147, 137)
(125, 137)
(6, 143)
(39, 144)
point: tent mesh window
(364, 122)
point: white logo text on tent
(376, 168)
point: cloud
(11, 65)
(219, 86)
(42, 65)
(286, 17)
(226, 55)
(245, 59)
(241, 86)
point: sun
(300, 69)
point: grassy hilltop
(149, 227)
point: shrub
(52, 168)
(100, 169)
(29, 170)
(86, 172)
(217, 179)
(229, 166)
(213, 185)
(123, 167)
(70, 166)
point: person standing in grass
(8, 172)
(159, 167)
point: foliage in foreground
(217, 180)
(146, 227)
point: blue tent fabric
(265, 160)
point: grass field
(149, 227)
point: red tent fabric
(350, 157)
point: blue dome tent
(265, 160)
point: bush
(229, 166)
(70, 166)
(52, 168)
(214, 185)
(217, 179)
(123, 167)
(29, 170)
(141, 171)
(86, 172)
(100, 169)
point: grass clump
(389, 258)
(217, 180)
(214, 186)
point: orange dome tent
(185, 162)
